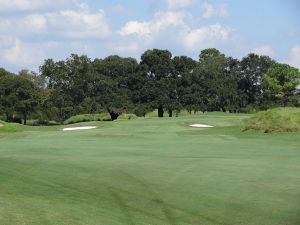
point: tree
(183, 64)
(250, 79)
(28, 98)
(115, 67)
(59, 86)
(160, 68)
(18, 96)
(39, 81)
(216, 80)
(281, 81)
(69, 84)
(112, 83)
(191, 92)
(3, 72)
(110, 96)
(8, 98)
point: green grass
(150, 171)
(127, 117)
(10, 127)
(87, 118)
(275, 120)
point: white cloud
(206, 36)
(18, 53)
(178, 4)
(57, 28)
(119, 8)
(161, 21)
(131, 48)
(264, 50)
(6, 41)
(79, 22)
(4, 24)
(211, 11)
(165, 27)
(23, 5)
(31, 36)
(34, 21)
(294, 58)
(139, 28)
(172, 28)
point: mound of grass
(127, 117)
(275, 120)
(87, 118)
(41, 123)
(10, 127)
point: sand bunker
(78, 128)
(201, 126)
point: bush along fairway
(275, 120)
(150, 171)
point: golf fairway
(150, 171)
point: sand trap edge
(201, 126)
(79, 128)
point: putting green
(150, 171)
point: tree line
(116, 85)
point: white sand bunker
(78, 128)
(201, 126)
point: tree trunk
(285, 101)
(113, 115)
(25, 119)
(9, 117)
(160, 111)
(170, 112)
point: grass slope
(275, 120)
(150, 171)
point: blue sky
(33, 30)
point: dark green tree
(113, 83)
(250, 79)
(18, 96)
(8, 98)
(160, 68)
(281, 81)
(216, 80)
(183, 64)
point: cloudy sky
(33, 30)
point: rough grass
(41, 123)
(87, 118)
(127, 117)
(275, 120)
(150, 171)
(10, 127)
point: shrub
(10, 128)
(88, 117)
(275, 120)
(141, 110)
(127, 117)
(41, 123)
